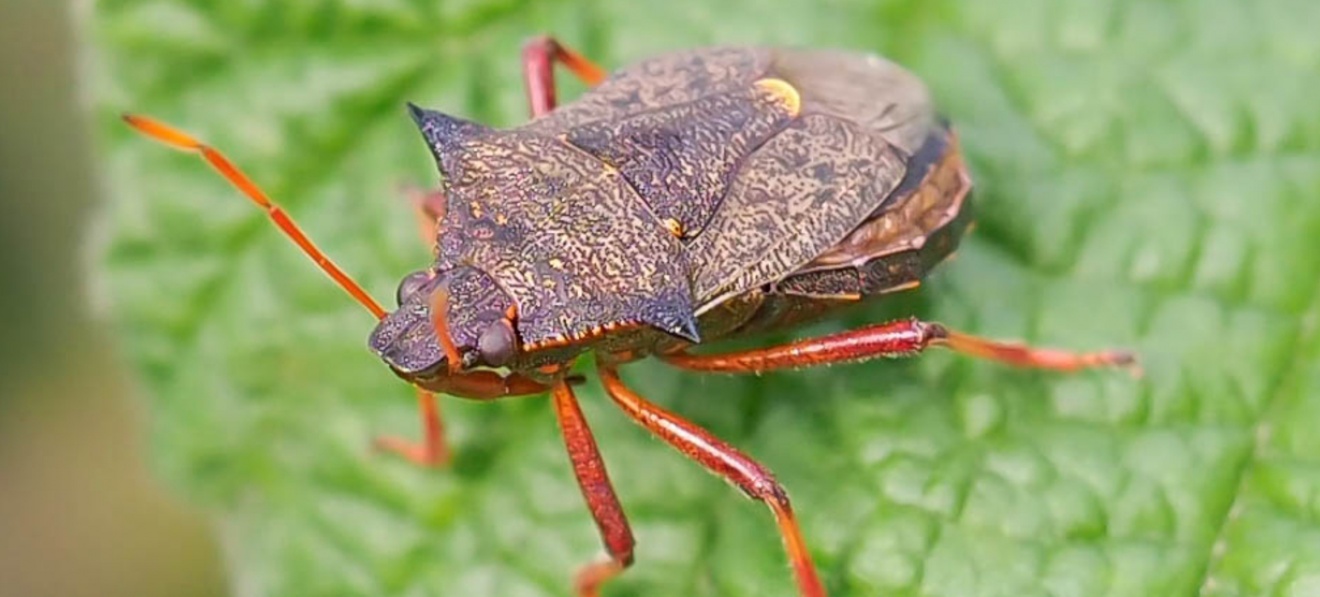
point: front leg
(433, 450)
(594, 481)
(538, 58)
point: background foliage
(1149, 176)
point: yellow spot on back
(784, 92)
(675, 227)
(556, 263)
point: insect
(691, 197)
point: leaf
(1148, 176)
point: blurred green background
(80, 513)
(187, 403)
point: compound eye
(412, 283)
(498, 344)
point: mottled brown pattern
(665, 80)
(566, 238)
(895, 248)
(570, 218)
(929, 197)
(405, 338)
(865, 89)
(796, 196)
(472, 305)
(682, 158)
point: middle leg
(726, 461)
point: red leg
(429, 207)
(896, 339)
(433, 450)
(726, 461)
(538, 58)
(599, 493)
(476, 385)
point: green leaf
(1148, 176)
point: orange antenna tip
(162, 132)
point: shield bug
(691, 197)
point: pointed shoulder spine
(443, 132)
